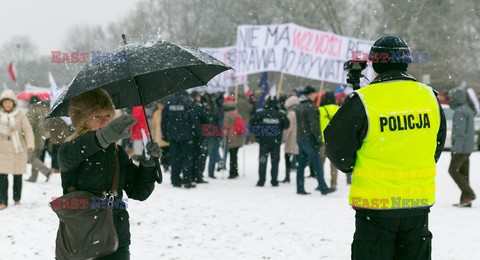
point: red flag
(12, 72)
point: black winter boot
(287, 178)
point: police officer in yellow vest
(389, 134)
(327, 109)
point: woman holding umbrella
(87, 160)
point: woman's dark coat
(85, 165)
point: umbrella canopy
(160, 68)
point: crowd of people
(193, 127)
(198, 126)
(190, 128)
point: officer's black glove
(155, 152)
(118, 129)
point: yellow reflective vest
(326, 114)
(395, 166)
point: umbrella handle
(158, 172)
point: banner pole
(236, 92)
(319, 94)
(280, 83)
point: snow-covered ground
(233, 219)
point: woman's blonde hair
(84, 106)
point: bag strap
(116, 176)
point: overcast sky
(48, 21)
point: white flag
(273, 91)
(54, 93)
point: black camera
(354, 70)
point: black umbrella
(138, 74)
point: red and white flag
(12, 72)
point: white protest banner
(296, 50)
(227, 55)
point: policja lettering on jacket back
(271, 121)
(176, 108)
(409, 122)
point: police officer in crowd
(390, 135)
(267, 126)
(199, 142)
(157, 135)
(178, 128)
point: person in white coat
(16, 141)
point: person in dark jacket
(309, 140)
(199, 141)
(215, 116)
(267, 126)
(36, 117)
(463, 135)
(87, 159)
(391, 144)
(157, 136)
(178, 128)
(59, 131)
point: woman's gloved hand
(155, 152)
(118, 129)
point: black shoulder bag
(86, 231)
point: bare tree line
(449, 31)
